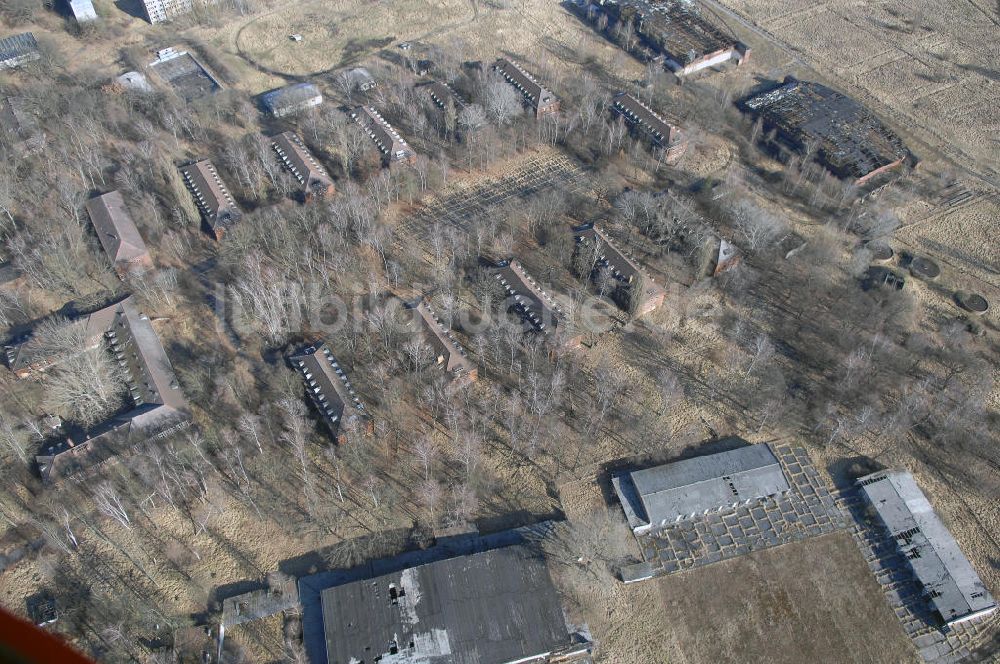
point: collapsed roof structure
(296, 157)
(674, 31)
(494, 607)
(952, 586)
(845, 137)
(625, 270)
(158, 407)
(17, 50)
(330, 390)
(539, 99)
(216, 204)
(660, 133)
(388, 140)
(447, 351)
(664, 494)
(185, 74)
(118, 233)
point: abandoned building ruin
(662, 495)
(540, 100)
(158, 11)
(331, 391)
(185, 75)
(218, 209)
(493, 607)
(291, 99)
(659, 132)
(625, 270)
(674, 32)
(845, 137)
(951, 585)
(536, 308)
(17, 50)
(300, 162)
(389, 142)
(443, 94)
(118, 234)
(158, 407)
(447, 351)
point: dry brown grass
(812, 601)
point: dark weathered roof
(488, 608)
(185, 74)
(663, 494)
(297, 158)
(18, 49)
(385, 136)
(621, 265)
(153, 388)
(116, 230)
(329, 387)
(846, 137)
(952, 585)
(535, 305)
(442, 93)
(446, 348)
(291, 98)
(538, 96)
(662, 132)
(211, 194)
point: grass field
(813, 601)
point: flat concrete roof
(662, 494)
(954, 588)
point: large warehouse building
(664, 494)
(495, 607)
(954, 590)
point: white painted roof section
(952, 584)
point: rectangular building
(296, 157)
(664, 494)
(625, 270)
(158, 407)
(952, 587)
(442, 95)
(494, 607)
(447, 351)
(158, 11)
(536, 307)
(660, 133)
(330, 390)
(540, 100)
(17, 50)
(118, 234)
(389, 142)
(291, 99)
(83, 10)
(217, 206)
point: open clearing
(809, 602)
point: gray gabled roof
(488, 608)
(953, 587)
(680, 489)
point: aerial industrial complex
(557, 333)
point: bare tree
(110, 504)
(758, 228)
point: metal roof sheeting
(954, 589)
